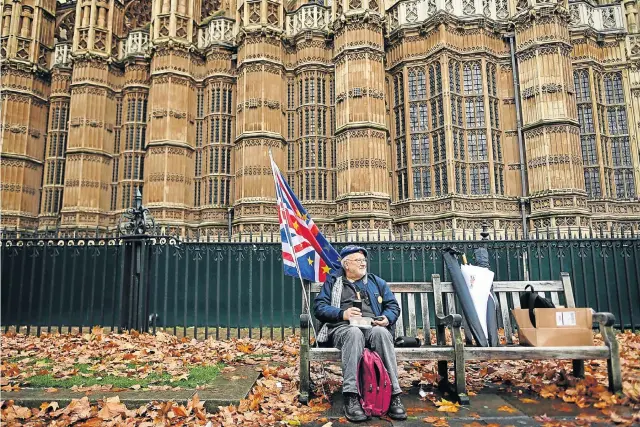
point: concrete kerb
(228, 388)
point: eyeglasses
(359, 260)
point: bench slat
(554, 299)
(422, 353)
(451, 303)
(506, 319)
(415, 287)
(534, 353)
(411, 310)
(399, 322)
(544, 285)
(426, 321)
(515, 297)
(568, 290)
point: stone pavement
(494, 406)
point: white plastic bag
(479, 280)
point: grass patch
(198, 375)
(260, 356)
(45, 361)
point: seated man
(334, 306)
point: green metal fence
(200, 288)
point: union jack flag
(302, 242)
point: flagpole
(304, 291)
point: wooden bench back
(508, 294)
(416, 300)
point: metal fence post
(134, 225)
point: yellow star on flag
(298, 214)
(304, 217)
(295, 225)
(326, 269)
(309, 260)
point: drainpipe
(523, 169)
(229, 221)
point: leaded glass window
(472, 78)
(413, 117)
(581, 83)
(422, 84)
(592, 182)
(585, 118)
(613, 88)
(413, 85)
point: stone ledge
(227, 389)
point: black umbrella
(482, 260)
(462, 291)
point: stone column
(169, 161)
(26, 44)
(260, 121)
(361, 130)
(551, 131)
(94, 84)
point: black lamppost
(133, 227)
(137, 220)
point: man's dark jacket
(375, 287)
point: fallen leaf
(446, 406)
(619, 419)
(91, 422)
(509, 409)
(590, 418)
(527, 400)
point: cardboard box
(556, 327)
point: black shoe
(352, 408)
(396, 408)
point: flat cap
(351, 249)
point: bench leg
(615, 376)
(303, 397)
(606, 322)
(458, 365)
(578, 368)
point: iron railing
(205, 286)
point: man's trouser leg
(350, 340)
(379, 339)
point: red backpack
(374, 384)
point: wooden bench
(446, 316)
(415, 291)
(561, 293)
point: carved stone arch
(137, 14)
(210, 7)
(65, 27)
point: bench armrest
(605, 324)
(604, 319)
(305, 321)
(452, 320)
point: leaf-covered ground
(164, 361)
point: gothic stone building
(384, 115)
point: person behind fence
(336, 303)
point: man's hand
(351, 312)
(384, 322)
